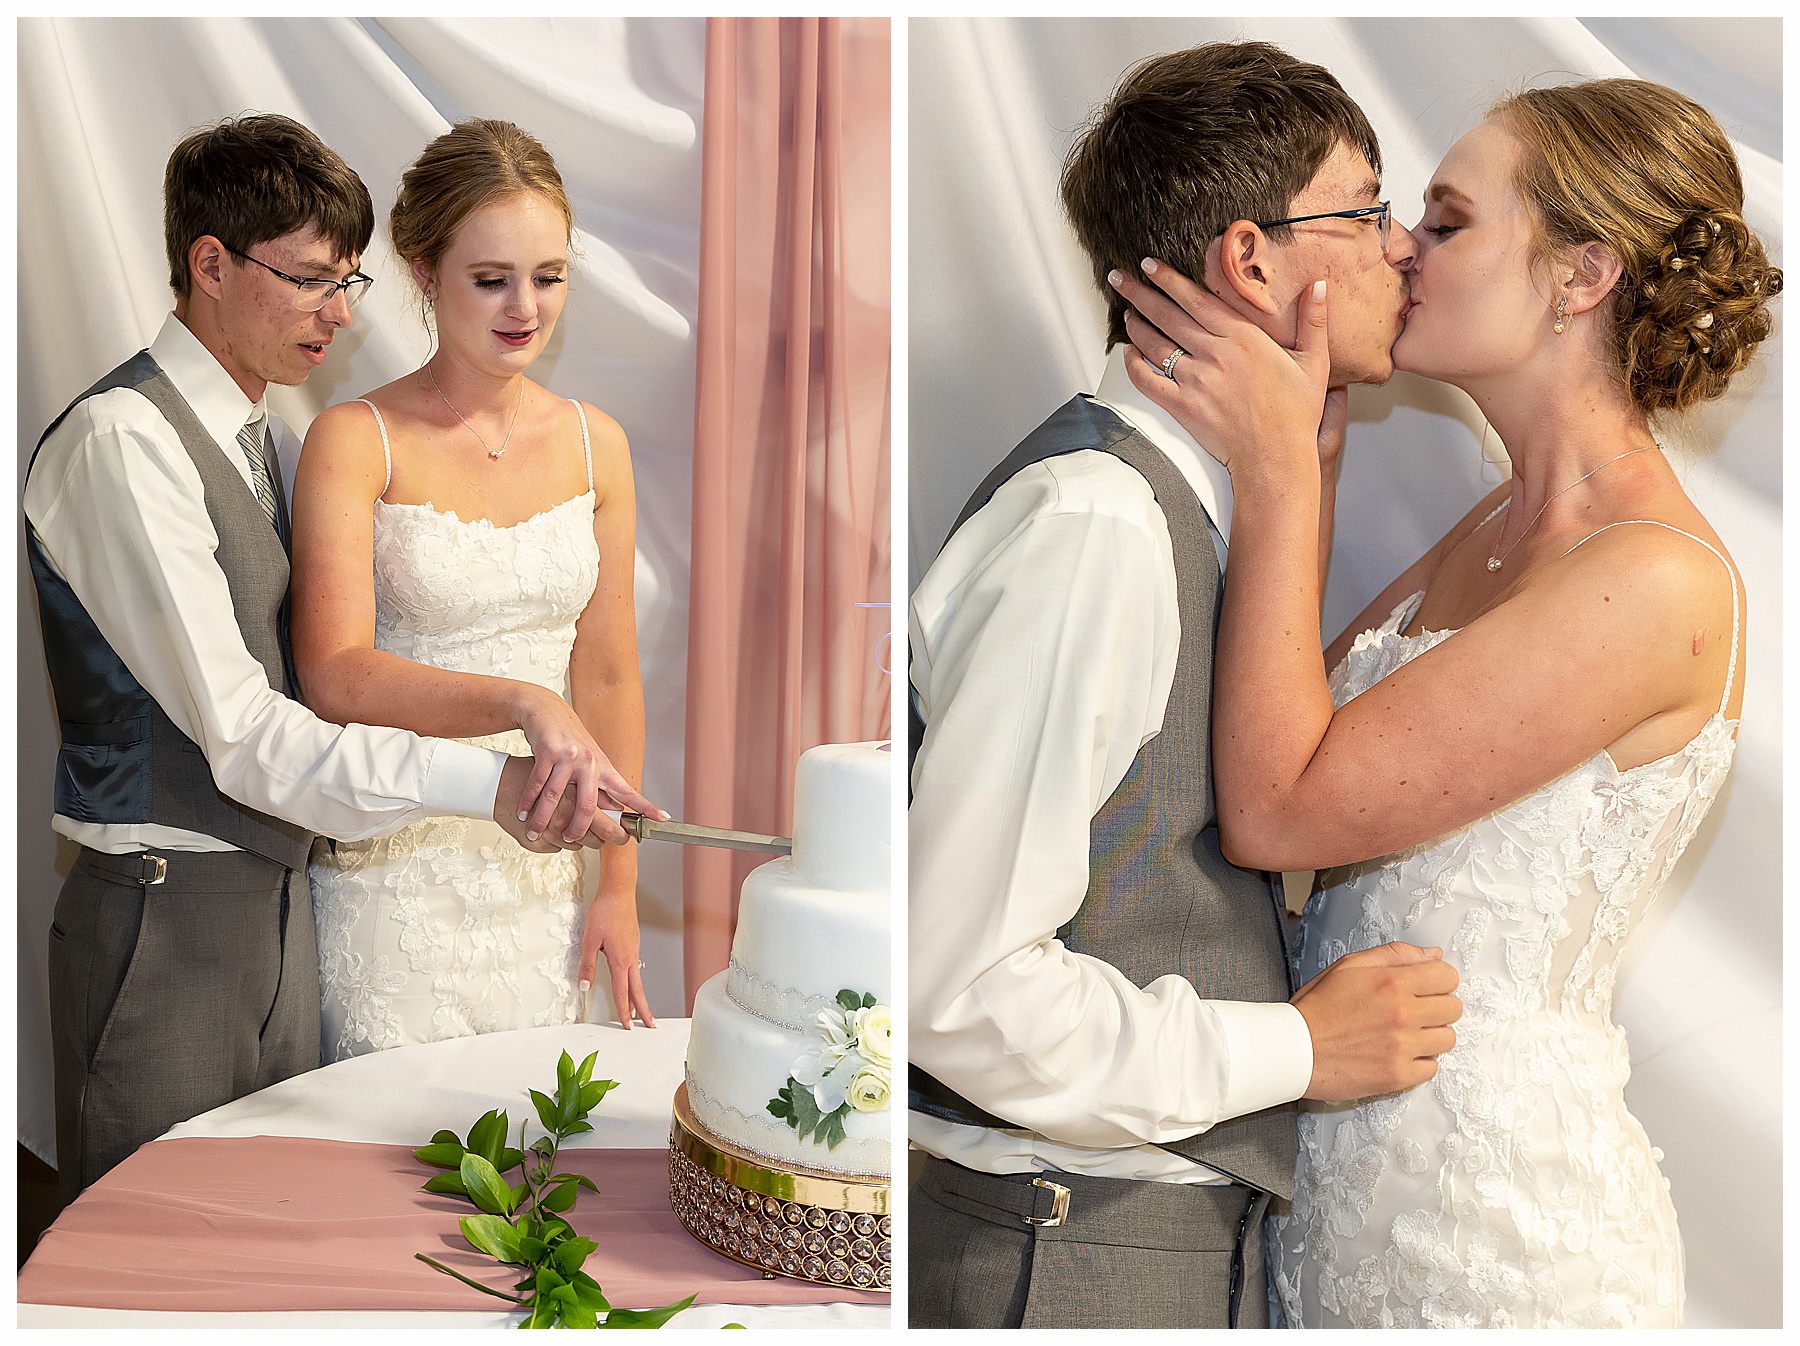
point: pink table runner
(274, 1224)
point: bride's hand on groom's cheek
(1250, 403)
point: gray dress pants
(1128, 1254)
(168, 999)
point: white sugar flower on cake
(847, 1070)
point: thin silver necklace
(491, 453)
(1494, 562)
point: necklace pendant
(495, 453)
(1493, 563)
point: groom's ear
(206, 258)
(1246, 273)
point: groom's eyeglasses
(1384, 219)
(311, 295)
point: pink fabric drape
(791, 526)
(277, 1224)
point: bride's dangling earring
(431, 335)
(1562, 307)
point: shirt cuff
(1268, 1050)
(462, 780)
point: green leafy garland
(522, 1225)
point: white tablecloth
(400, 1097)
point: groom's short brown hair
(1191, 142)
(246, 180)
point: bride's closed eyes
(542, 282)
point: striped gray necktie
(251, 437)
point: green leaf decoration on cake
(850, 1069)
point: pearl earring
(1562, 307)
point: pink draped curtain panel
(791, 528)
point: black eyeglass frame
(1384, 223)
(354, 286)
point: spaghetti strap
(587, 448)
(1731, 668)
(387, 454)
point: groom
(183, 967)
(1105, 1046)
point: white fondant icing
(737, 1062)
(811, 941)
(778, 1004)
(842, 793)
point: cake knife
(693, 834)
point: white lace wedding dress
(1515, 1189)
(448, 927)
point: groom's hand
(1379, 1020)
(514, 777)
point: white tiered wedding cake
(785, 1139)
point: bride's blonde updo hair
(473, 164)
(1649, 174)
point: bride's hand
(567, 760)
(611, 928)
(1253, 405)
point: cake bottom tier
(737, 1063)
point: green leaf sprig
(521, 1224)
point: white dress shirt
(119, 509)
(1044, 639)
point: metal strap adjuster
(1059, 1203)
(156, 869)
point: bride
(1525, 728)
(500, 523)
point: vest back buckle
(156, 869)
(1059, 1204)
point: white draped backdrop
(1005, 326)
(617, 101)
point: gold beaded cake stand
(830, 1228)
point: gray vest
(122, 759)
(1161, 898)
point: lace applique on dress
(1514, 1189)
(448, 927)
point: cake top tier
(842, 796)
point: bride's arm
(608, 695)
(345, 679)
(1632, 626)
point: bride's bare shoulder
(611, 449)
(344, 442)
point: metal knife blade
(693, 834)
